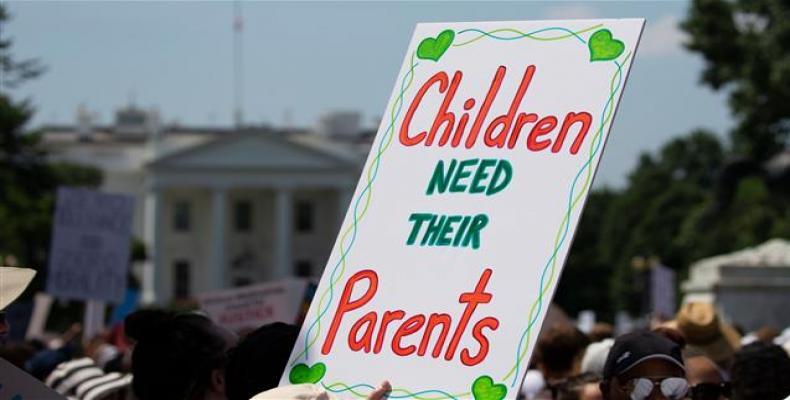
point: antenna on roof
(238, 30)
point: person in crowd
(601, 331)
(706, 379)
(257, 363)
(672, 334)
(595, 356)
(13, 281)
(83, 379)
(706, 333)
(585, 386)
(59, 350)
(559, 353)
(177, 356)
(761, 371)
(644, 366)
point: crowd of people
(695, 356)
(167, 355)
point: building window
(304, 269)
(242, 215)
(182, 279)
(305, 216)
(182, 211)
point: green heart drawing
(603, 47)
(301, 373)
(433, 49)
(484, 388)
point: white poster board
(250, 307)
(89, 256)
(16, 384)
(463, 216)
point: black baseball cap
(633, 348)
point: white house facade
(221, 208)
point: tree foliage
(28, 180)
(697, 196)
(746, 46)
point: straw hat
(706, 333)
(13, 282)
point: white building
(218, 208)
(751, 287)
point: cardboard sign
(90, 245)
(461, 222)
(250, 307)
(16, 384)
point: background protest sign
(454, 240)
(90, 245)
(252, 306)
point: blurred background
(239, 130)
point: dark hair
(571, 389)
(601, 331)
(174, 354)
(760, 372)
(257, 363)
(672, 334)
(559, 347)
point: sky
(304, 59)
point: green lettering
(417, 219)
(462, 173)
(478, 223)
(501, 178)
(480, 175)
(440, 180)
(447, 229)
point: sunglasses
(673, 388)
(711, 391)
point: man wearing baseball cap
(644, 366)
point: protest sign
(252, 306)
(16, 384)
(89, 258)
(463, 216)
(662, 291)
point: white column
(217, 264)
(154, 275)
(283, 231)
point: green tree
(647, 217)
(746, 46)
(28, 181)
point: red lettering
(479, 296)
(586, 119)
(492, 92)
(444, 117)
(477, 332)
(345, 304)
(520, 121)
(440, 78)
(411, 325)
(388, 317)
(506, 120)
(544, 126)
(354, 342)
(433, 321)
